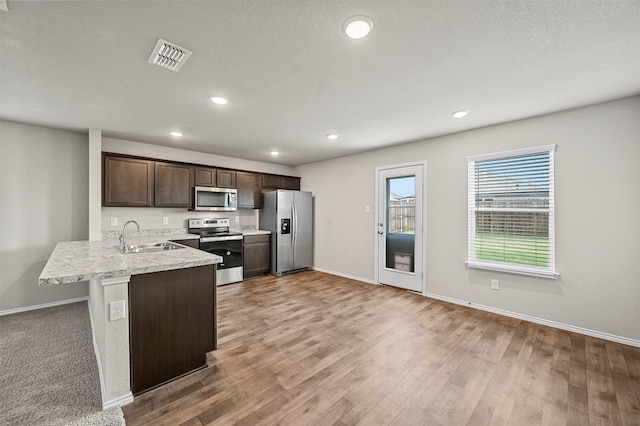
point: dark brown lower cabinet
(256, 255)
(195, 242)
(172, 324)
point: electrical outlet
(117, 310)
(237, 219)
(165, 220)
(114, 221)
(495, 284)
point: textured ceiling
(292, 76)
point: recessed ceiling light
(176, 134)
(332, 136)
(461, 113)
(216, 99)
(358, 27)
(275, 153)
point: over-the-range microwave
(215, 199)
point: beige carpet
(48, 370)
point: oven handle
(214, 239)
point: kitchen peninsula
(131, 296)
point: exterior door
(400, 226)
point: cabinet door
(271, 181)
(127, 182)
(249, 190)
(291, 183)
(173, 185)
(172, 324)
(256, 255)
(226, 178)
(205, 176)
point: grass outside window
(526, 250)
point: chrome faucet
(123, 244)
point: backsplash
(153, 218)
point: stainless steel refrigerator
(289, 217)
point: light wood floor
(313, 348)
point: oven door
(230, 250)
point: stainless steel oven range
(216, 238)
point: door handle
(380, 232)
(294, 224)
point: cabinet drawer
(192, 242)
(253, 239)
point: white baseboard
(562, 326)
(118, 402)
(340, 274)
(43, 306)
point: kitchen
(284, 243)
(63, 166)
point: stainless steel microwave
(215, 199)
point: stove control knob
(228, 253)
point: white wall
(597, 201)
(151, 218)
(43, 200)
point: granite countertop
(73, 261)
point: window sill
(532, 272)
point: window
(511, 212)
(401, 205)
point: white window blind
(511, 212)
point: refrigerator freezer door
(284, 242)
(303, 228)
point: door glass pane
(401, 212)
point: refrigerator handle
(294, 225)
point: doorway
(400, 226)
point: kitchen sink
(151, 247)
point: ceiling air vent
(168, 55)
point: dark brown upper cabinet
(205, 176)
(271, 182)
(289, 182)
(127, 182)
(209, 176)
(226, 178)
(249, 190)
(173, 184)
